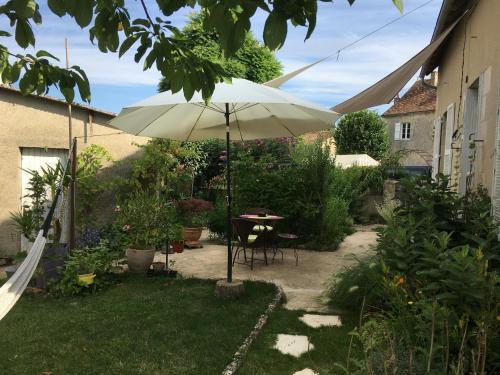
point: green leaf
(141, 21)
(150, 59)
(24, 8)
(83, 83)
(141, 50)
(24, 34)
(69, 94)
(57, 7)
(188, 89)
(15, 71)
(311, 18)
(43, 53)
(27, 83)
(399, 4)
(113, 41)
(127, 43)
(4, 33)
(275, 31)
(84, 13)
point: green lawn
(330, 346)
(141, 326)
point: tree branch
(146, 11)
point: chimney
(434, 78)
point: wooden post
(72, 197)
(70, 122)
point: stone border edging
(235, 364)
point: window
(402, 131)
(405, 130)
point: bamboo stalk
(431, 348)
(447, 353)
(462, 344)
(411, 362)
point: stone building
(34, 134)
(410, 122)
(468, 100)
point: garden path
(303, 284)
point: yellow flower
(410, 302)
(400, 281)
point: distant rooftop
(421, 97)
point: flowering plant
(193, 212)
(143, 220)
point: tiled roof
(421, 97)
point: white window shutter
(496, 179)
(436, 147)
(496, 197)
(397, 131)
(448, 138)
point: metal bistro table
(265, 219)
(262, 217)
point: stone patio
(302, 284)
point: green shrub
(362, 280)
(143, 220)
(99, 260)
(336, 223)
(217, 219)
(437, 260)
(362, 132)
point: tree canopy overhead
(157, 43)
(253, 61)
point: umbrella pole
(229, 201)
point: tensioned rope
(381, 28)
(277, 82)
(12, 290)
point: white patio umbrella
(239, 111)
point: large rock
(234, 289)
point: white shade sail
(278, 82)
(256, 111)
(386, 89)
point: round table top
(257, 217)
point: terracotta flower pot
(191, 234)
(139, 261)
(177, 246)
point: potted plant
(86, 271)
(143, 221)
(176, 237)
(193, 215)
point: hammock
(12, 290)
(14, 287)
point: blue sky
(117, 82)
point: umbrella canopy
(239, 111)
(256, 111)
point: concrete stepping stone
(294, 345)
(306, 371)
(316, 321)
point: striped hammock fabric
(12, 290)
